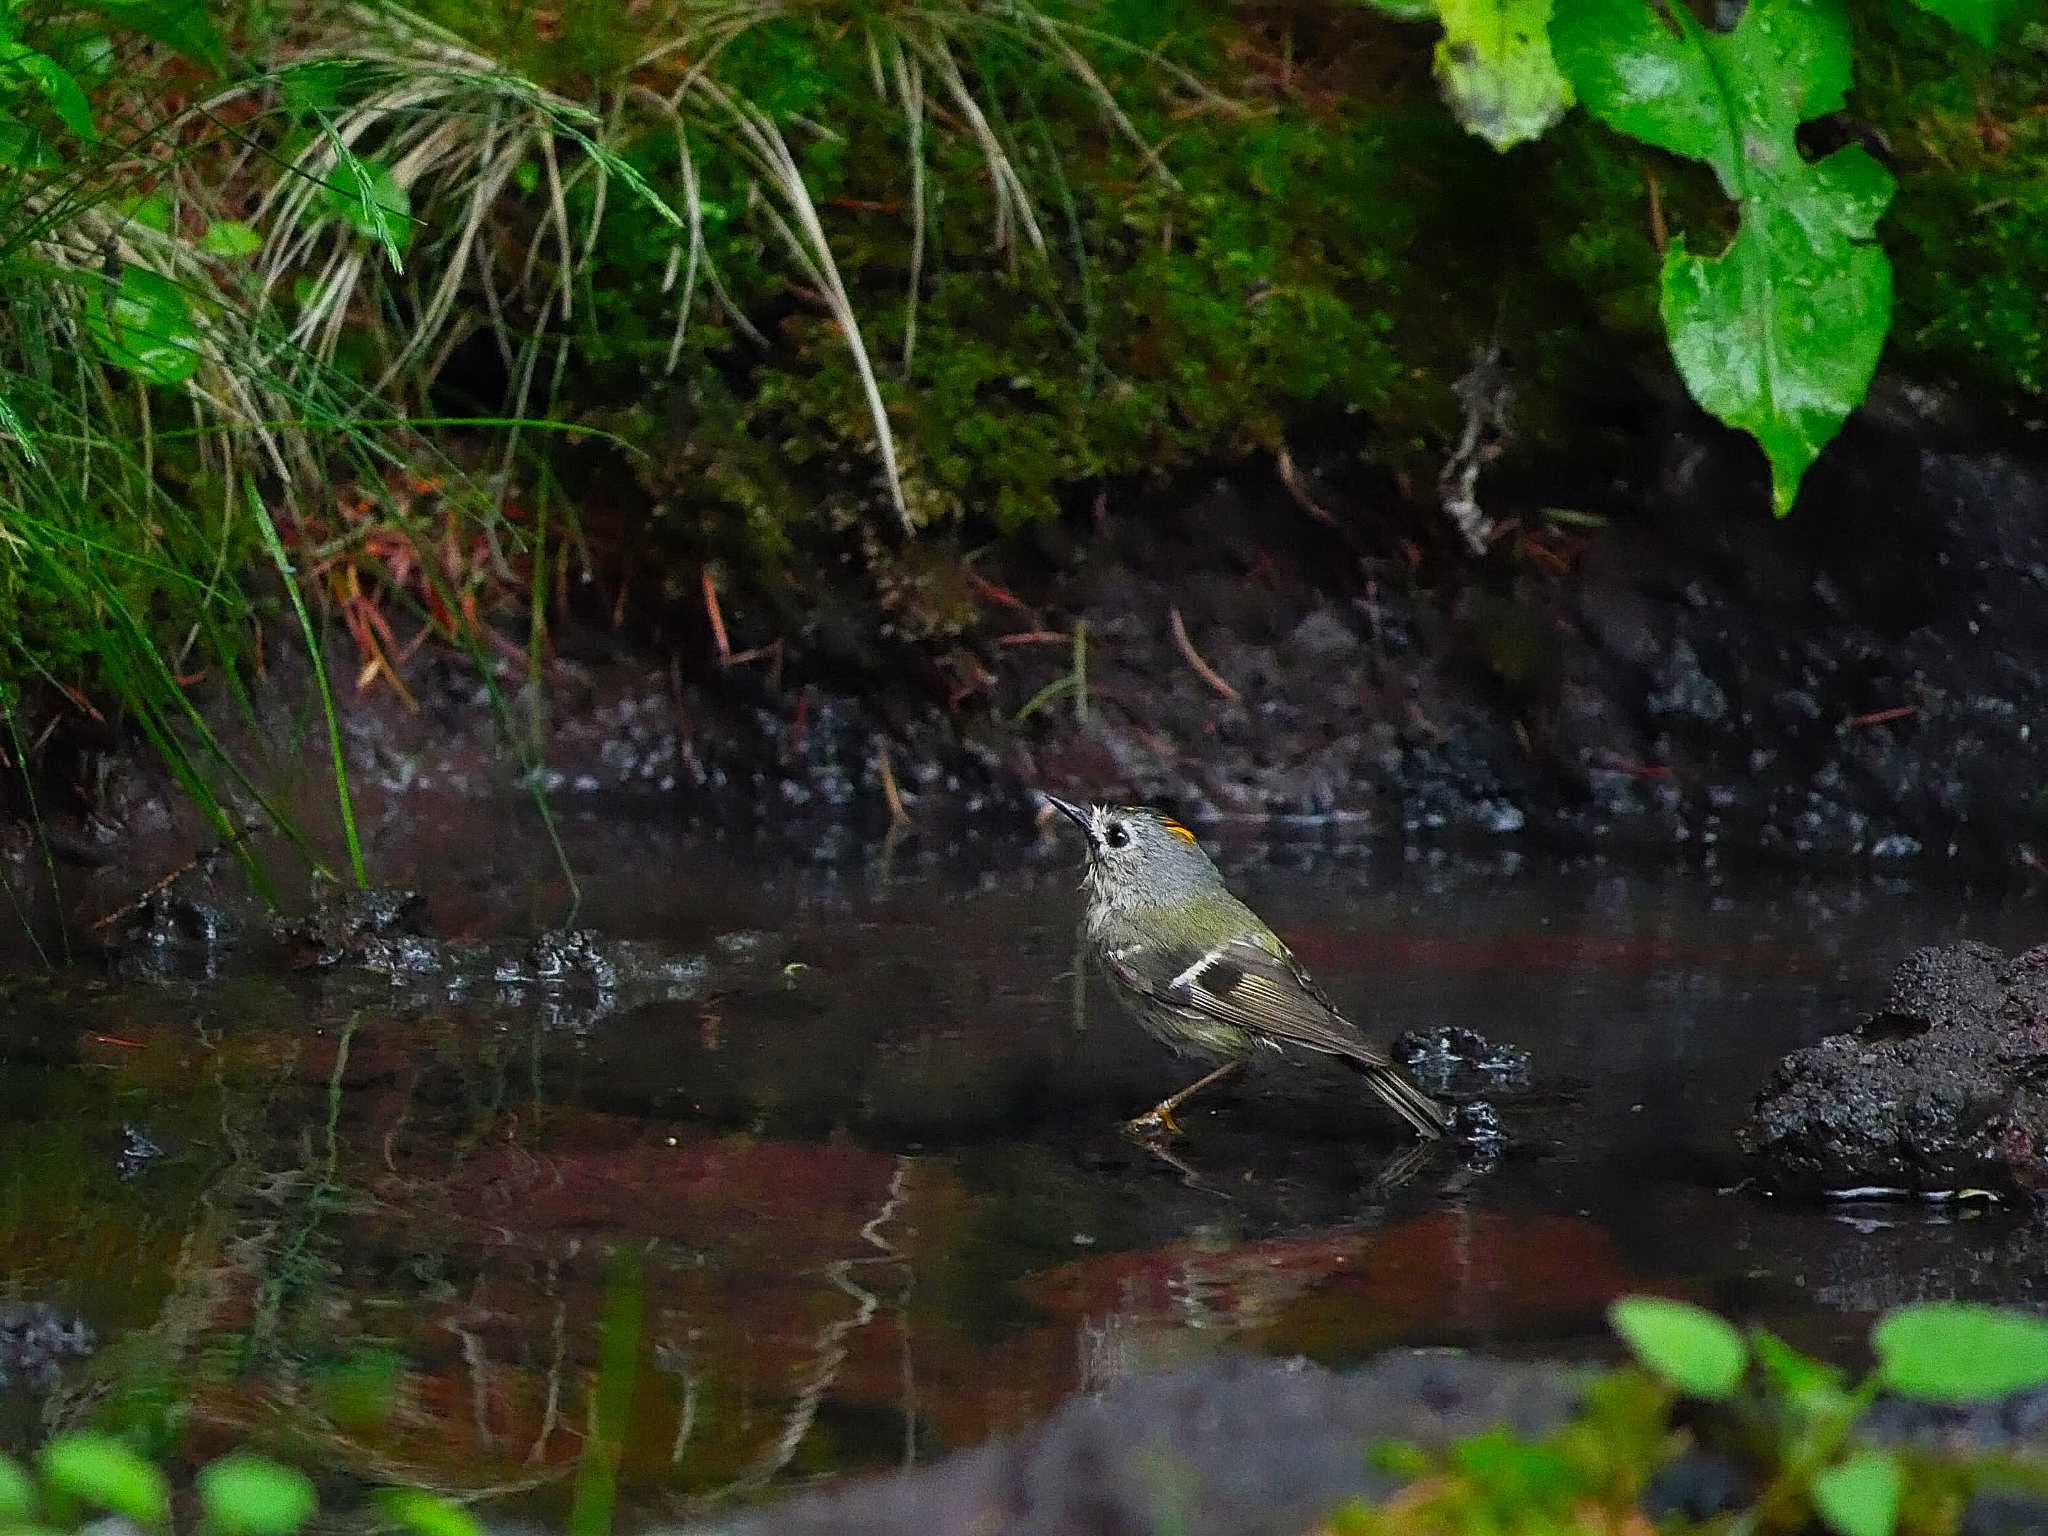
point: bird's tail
(1429, 1118)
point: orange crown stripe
(1179, 831)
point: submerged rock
(1943, 1088)
(36, 1340)
(379, 928)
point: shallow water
(854, 1195)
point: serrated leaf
(1779, 334)
(1979, 20)
(230, 237)
(1495, 68)
(107, 1474)
(142, 324)
(249, 1496)
(1700, 1354)
(1859, 1496)
(1950, 1352)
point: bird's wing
(1247, 985)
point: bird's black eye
(1117, 835)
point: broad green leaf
(1859, 1496)
(1780, 333)
(1495, 67)
(107, 1474)
(249, 1496)
(230, 237)
(425, 1514)
(1978, 20)
(17, 1494)
(56, 85)
(1700, 1354)
(1949, 1352)
(180, 24)
(142, 324)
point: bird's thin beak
(1075, 814)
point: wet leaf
(142, 324)
(1779, 334)
(1860, 1496)
(249, 1496)
(1979, 20)
(1952, 1352)
(105, 1473)
(1495, 67)
(1700, 1354)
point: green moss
(1968, 232)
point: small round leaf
(249, 1496)
(1950, 1352)
(1860, 1496)
(1697, 1352)
(106, 1473)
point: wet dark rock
(36, 1340)
(175, 926)
(138, 1150)
(643, 970)
(1230, 1448)
(378, 928)
(1439, 1058)
(2016, 1422)
(1945, 1087)
(1477, 1124)
(2004, 1512)
(1698, 1487)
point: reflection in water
(863, 1180)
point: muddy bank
(1660, 668)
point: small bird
(1202, 972)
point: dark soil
(1865, 682)
(1940, 1090)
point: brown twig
(1203, 670)
(1298, 489)
(1035, 637)
(1884, 716)
(898, 816)
(1659, 236)
(169, 880)
(711, 612)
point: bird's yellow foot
(1155, 1124)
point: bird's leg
(1160, 1116)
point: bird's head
(1138, 855)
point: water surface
(854, 1194)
